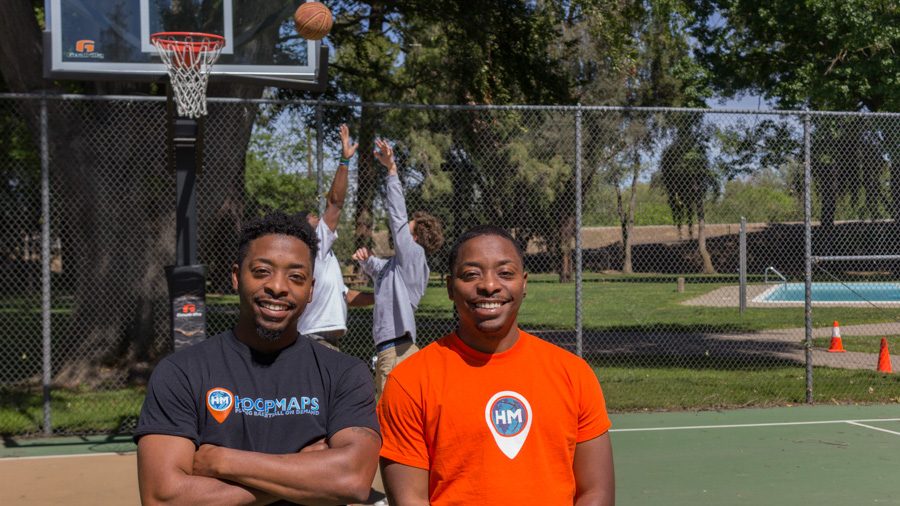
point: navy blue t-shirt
(223, 393)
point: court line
(875, 428)
(643, 429)
(750, 425)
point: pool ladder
(772, 269)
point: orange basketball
(313, 20)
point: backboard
(110, 39)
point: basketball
(313, 20)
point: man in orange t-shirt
(490, 414)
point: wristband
(344, 161)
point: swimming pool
(833, 292)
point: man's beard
(268, 334)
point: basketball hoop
(188, 57)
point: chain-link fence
(685, 288)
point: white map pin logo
(508, 416)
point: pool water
(834, 292)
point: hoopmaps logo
(508, 415)
(269, 408)
(219, 402)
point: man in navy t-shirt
(259, 414)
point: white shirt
(327, 312)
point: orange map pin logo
(219, 402)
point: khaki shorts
(387, 360)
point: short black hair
(281, 224)
(478, 231)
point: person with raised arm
(400, 281)
(325, 318)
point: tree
(99, 270)
(19, 202)
(639, 56)
(427, 52)
(820, 54)
(687, 177)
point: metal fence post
(579, 335)
(742, 268)
(45, 267)
(807, 232)
(320, 173)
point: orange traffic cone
(837, 346)
(884, 358)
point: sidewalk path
(779, 345)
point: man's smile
(274, 309)
(487, 306)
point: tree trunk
(463, 190)
(626, 233)
(113, 204)
(21, 53)
(632, 207)
(564, 207)
(829, 201)
(701, 244)
(221, 197)
(119, 232)
(626, 216)
(566, 247)
(366, 181)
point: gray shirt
(400, 281)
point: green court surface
(821, 455)
(60, 446)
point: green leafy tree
(91, 242)
(427, 52)
(639, 56)
(269, 188)
(686, 175)
(821, 54)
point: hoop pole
(187, 278)
(185, 140)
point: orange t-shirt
(492, 429)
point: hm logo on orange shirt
(508, 415)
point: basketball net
(188, 57)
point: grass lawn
(73, 411)
(626, 389)
(639, 303)
(641, 388)
(614, 304)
